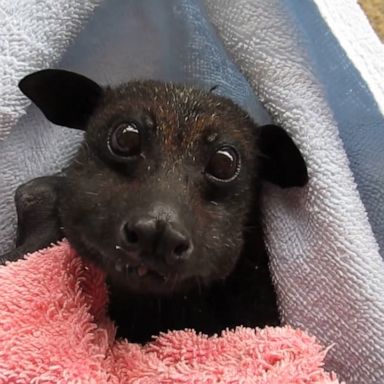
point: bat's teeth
(142, 270)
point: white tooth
(142, 270)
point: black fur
(199, 244)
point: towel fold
(54, 329)
(325, 258)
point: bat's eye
(224, 165)
(125, 140)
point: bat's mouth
(143, 277)
(138, 271)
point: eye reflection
(224, 165)
(125, 140)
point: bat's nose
(149, 235)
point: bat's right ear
(65, 98)
(281, 161)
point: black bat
(163, 195)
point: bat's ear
(281, 161)
(64, 97)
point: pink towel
(54, 329)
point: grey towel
(325, 258)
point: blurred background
(374, 9)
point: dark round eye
(125, 140)
(224, 165)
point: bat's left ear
(281, 161)
(65, 98)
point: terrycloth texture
(33, 34)
(360, 42)
(325, 259)
(53, 329)
(349, 88)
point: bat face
(159, 192)
(161, 189)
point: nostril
(177, 245)
(141, 232)
(181, 249)
(131, 236)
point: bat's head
(160, 191)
